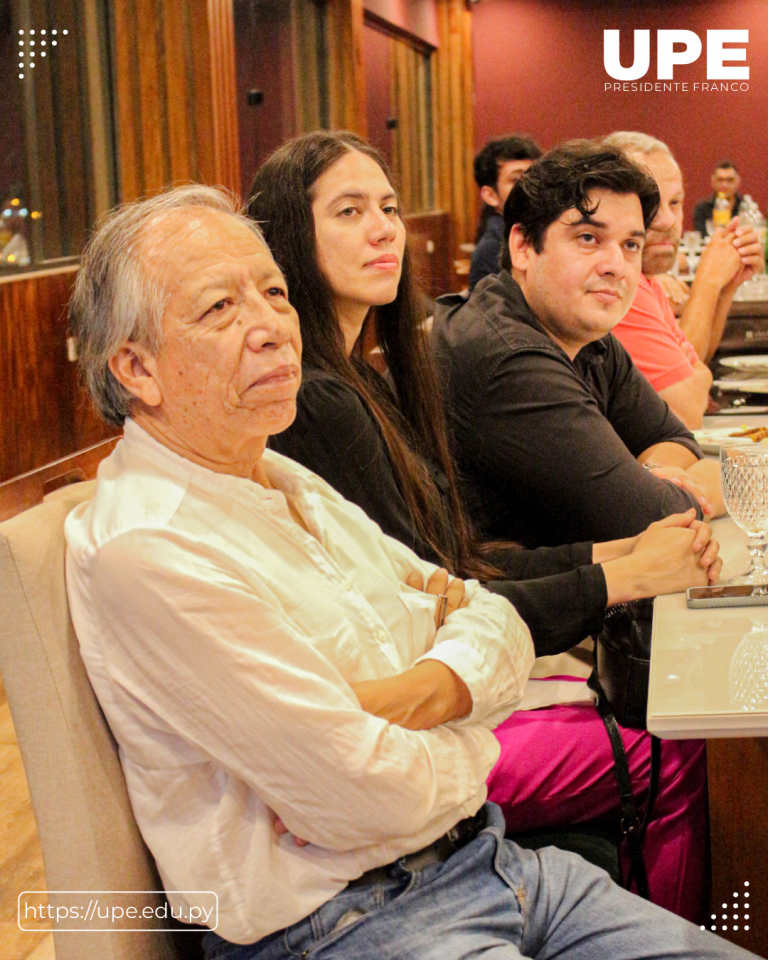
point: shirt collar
(286, 476)
(594, 351)
(507, 300)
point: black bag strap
(631, 826)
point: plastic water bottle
(750, 216)
(721, 212)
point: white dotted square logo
(735, 915)
(35, 46)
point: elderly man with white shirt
(300, 731)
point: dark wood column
(175, 94)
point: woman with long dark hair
(331, 217)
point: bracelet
(652, 466)
(442, 603)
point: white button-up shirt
(221, 639)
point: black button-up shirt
(559, 592)
(485, 256)
(547, 447)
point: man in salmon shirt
(673, 355)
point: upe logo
(676, 47)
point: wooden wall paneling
(399, 135)
(469, 192)
(199, 103)
(36, 380)
(461, 114)
(433, 270)
(441, 129)
(410, 132)
(223, 94)
(346, 74)
(42, 150)
(337, 71)
(128, 101)
(45, 413)
(152, 91)
(306, 24)
(424, 139)
(73, 163)
(453, 112)
(176, 94)
(737, 773)
(95, 49)
(181, 152)
(356, 17)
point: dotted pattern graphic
(35, 45)
(739, 912)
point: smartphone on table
(727, 595)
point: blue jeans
(490, 899)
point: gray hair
(117, 299)
(630, 141)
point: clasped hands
(718, 260)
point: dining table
(709, 679)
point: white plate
(744, 386)
(754, 362)
(711, 440)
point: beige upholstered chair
(87, 831)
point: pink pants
(556, 768)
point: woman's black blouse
(558, 591)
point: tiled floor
(21, 864)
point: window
(56, 156)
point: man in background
(725, 180)
(497, 168)
(650, 333)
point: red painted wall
(539, 69)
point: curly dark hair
(563, 179)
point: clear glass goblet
(744, 469)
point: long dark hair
(413, 424)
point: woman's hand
(613, 549)
(673, 554)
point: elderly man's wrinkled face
(228, 368)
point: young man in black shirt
(497, 168)
(553, 425)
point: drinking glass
(744, 469)
(692, 240)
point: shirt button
(346, 585)
(382, 636)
